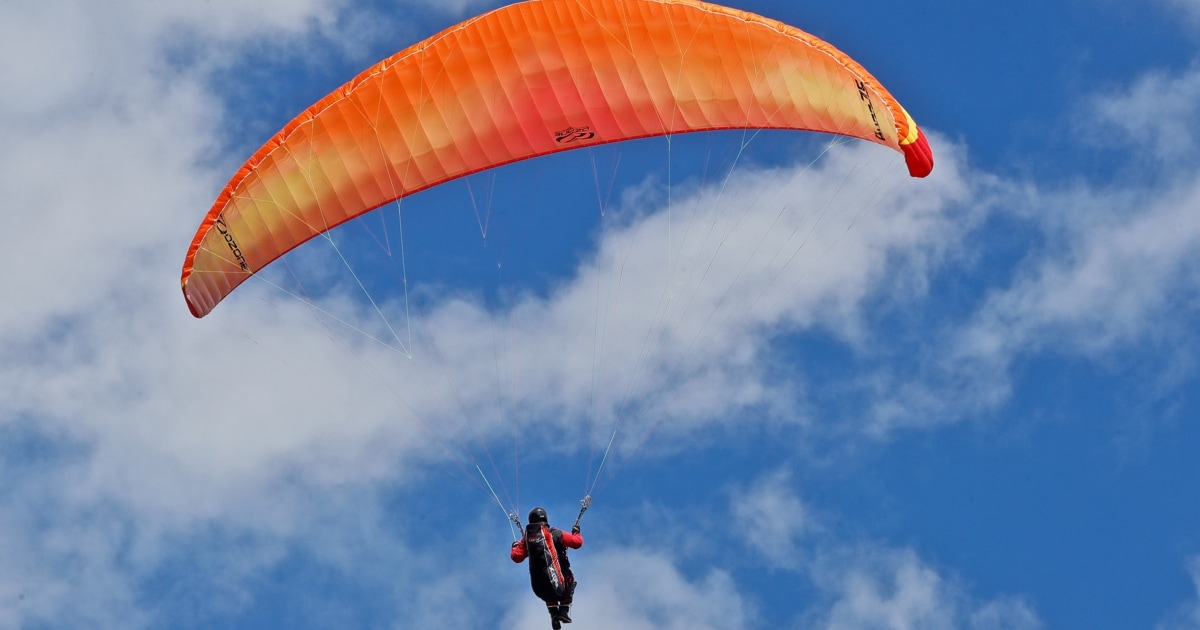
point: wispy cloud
(1187, 615)
(1154, 114)
(770, 515)
(101, 471)
(857, 583)
(1111, 267)
(894, 589)
(643, 589)
(1188, 8)
(459, 7)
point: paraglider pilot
(549, 569)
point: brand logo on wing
(866, 96)
(574, 134)
(223, 229)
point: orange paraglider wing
(526, 80)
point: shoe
(554, 623)
(563, 617)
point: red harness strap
(552, 549)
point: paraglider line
(404, 276)
(596, 479)
(313, 305)
(509, 516)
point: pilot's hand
(515, 543)
(575, 529)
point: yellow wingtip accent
(913, 131)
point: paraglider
(550, 573)
(528, 80)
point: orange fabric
(527, 80)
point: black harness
(549, 569)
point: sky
(965, 401)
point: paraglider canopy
(526, 80)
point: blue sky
(967, 402)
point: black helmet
(537, 515)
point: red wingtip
(918, 156)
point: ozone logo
(574, 134)
(223, 229)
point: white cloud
(1156, 113)
(59, 566)
(1118, 271)
(684, 333)
(868, 585)
(114, 452)
(63, 60)
(770, 517)
(1187, 615)
(103, 140)
(460, 7)
(1107, 282)
(640, 590)
(1113, 268)
(1189, 8)
(895, 590)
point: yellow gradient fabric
(526, 80)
